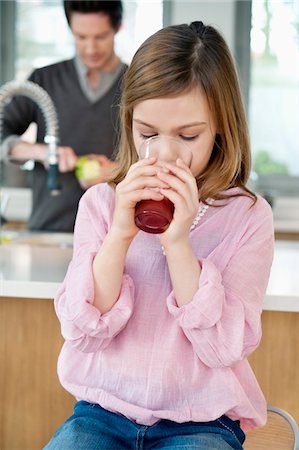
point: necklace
(201, 212)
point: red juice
(154, 216)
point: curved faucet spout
(43, 100)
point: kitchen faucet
(43, 100)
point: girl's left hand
(183, 192)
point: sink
(39, 239)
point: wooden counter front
(276, 360)
(32, 402)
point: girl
(158, 328)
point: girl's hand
(140, 183)
(183, 193)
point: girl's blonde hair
(175, 60)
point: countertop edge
(48, 290)
(286, 303)
(28, 289)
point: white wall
(220, 14)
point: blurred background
(263, 36)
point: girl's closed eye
(185, 138)
(147, 136)
(189, 138)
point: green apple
(88, 169)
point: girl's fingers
(149, 194)
(180, 201)
(129, 192)
(146, 162)
(141, 172)
(184, 210)
(183, 190)
(181, 163)
(179, 178)
(134, 197)
(186, 188)
(144, 182)
(181, 170)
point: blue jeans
(93, 428)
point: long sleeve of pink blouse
(223, 321)
(82, 324)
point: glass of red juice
(154, 216)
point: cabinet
(276, 360)
(32, 402)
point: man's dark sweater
(85, 126)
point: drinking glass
(154, 216)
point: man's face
(94, 39)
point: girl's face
(186, 117)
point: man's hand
(67, 159)
(23, 151)
(106, 168)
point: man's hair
(114, 9)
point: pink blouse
(149, 359)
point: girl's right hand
(140, 183)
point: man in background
(86, 92)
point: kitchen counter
(36, 271)
(31, 271)
(283, 287)
(33, 265)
